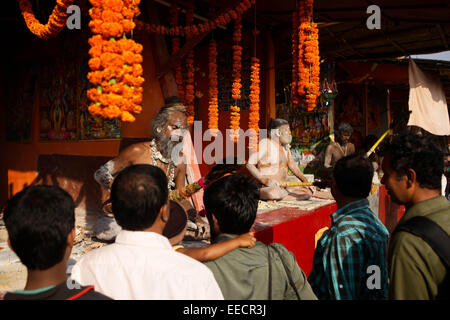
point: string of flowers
(116, 70)
(236, 86)
(197, 29)
(254, 104)
(303, 72)
(309, 59)
(295, 60)
(56, 21)
(175, 49)
(213, 110)
(190, 73)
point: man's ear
(164, 213)
(71, 238)
(411, 177)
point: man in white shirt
(141, 264)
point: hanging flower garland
(56, 21)
(195, 30)
(116, 70)
(237, 67)
(254, 104)
(308, 56)
(175, 49)
(190, 74)
(213, 110)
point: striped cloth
(350, 261)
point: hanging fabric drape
(427, 102)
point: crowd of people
(355, 259)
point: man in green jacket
(412, 168)
(258, 273)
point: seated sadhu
(271, 163)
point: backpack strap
(432, 234)
(81, 293)
(288, 273)
(270, 273)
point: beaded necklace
(156, 155)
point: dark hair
(234, 201)
(344, 127)
(411, 151)
(38, 220)
(276, 123)
(172, 104)
(353, 175)
(137, 195)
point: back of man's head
(420, 153)
(39, 220)
(137, 196)
(353, 175)
(233, 200)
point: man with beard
(270, 165)
(167, 131)
(342, 147)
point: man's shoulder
(86, 293)
(332, 146)
(279, 247)
(279, 251)
(136, 148)
(402, 239)
(95, 255)
(360, 225)
(442, 218)
(243, 255)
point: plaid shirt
(356, 240)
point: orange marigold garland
(190, 74)
(213, 114)
(254, 104)
(237, 67)
(308, 56)
(56, 21)
(208, 26)
(116, 69)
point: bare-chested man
(270, 165)
(167, 129)
(341, 147)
